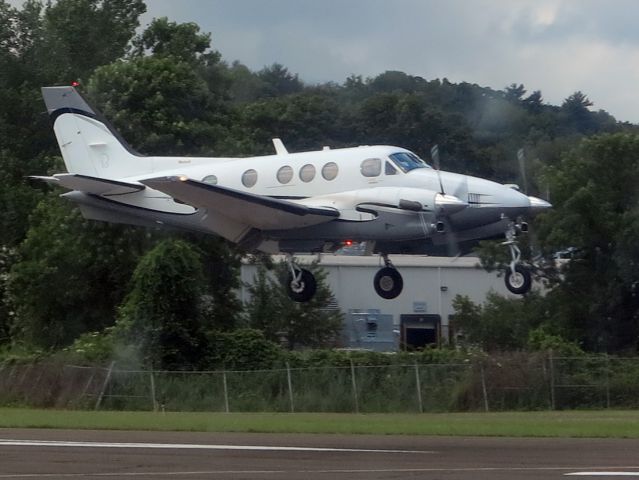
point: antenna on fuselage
(280, 149)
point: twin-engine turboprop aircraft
(288, 202)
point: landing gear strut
(388, 281)
(518, 278)
(300, 284)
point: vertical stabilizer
(89, 144)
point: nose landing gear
(388, 281)
(518, 278)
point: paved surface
(70, 454)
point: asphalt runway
(77, 454)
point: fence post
(551, 366)
(104, 386)
(153, 399)
(354, 383)
(226, 392)
(418, 384)
(290, 386)
(483, 385)
(607, 381)
(87, 385)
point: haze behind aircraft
(288, 202)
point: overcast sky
(556, 46)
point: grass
(602, 424)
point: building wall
(430, 285)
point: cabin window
(371, 167)
(284, 174)
(249, 178)
(389, 169)
(307, 173)
(329, 171)
(212, 179)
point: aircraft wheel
(388, 283)
(304, 289)
(518, 282)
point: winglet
(280, 149)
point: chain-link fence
(506, 382)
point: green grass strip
(602, 424)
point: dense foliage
(169, 92)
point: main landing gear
(518, 278)
(300, 284)
(388, 281)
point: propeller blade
(434, 154)
(521, 158)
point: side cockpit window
(389, 169)
(371, 167)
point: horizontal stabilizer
(93, 185)
(257, 211)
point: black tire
(519, 282)
(304, 290)
(388, 283)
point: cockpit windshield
(408, 161)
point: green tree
(161, 105)
(161, 315)
(279, 81)
(499, 323)
(70, 274)
(595, 213)
(163, 38)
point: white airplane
(288, 202)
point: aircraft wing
(258, 211)
(94, 185)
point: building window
(285, 174)
(307, 173)
(329, 171)
(249, 178)
(212, 179)
(371, 167)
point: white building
(420, 315)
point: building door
(419, 330)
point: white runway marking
(189, 446)
(227, 473)
(603, 474)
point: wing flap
(93, 185)
(258, 211)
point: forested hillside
(170, 92)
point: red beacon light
(75, 84)
(347, 243)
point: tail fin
(88, 142)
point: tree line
(169, 92)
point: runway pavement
(73, 454)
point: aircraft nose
(538, 205)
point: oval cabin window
(249, 178)
(329, 171)
(371, 167)
(307, 173)
(285, 174)
(212, 179)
